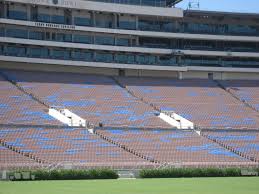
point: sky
(245, 6)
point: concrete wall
(129, 72)
(240, 76)
(108, 7)
(59, 68)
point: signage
(59, 26)
(70, 3)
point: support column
(180, 75)
(115, 21)
(136, 21)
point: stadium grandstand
(127, 85)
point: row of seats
(200, 101)
(12, 160)
(184, 148)
(245, 143)
(19, 108)
(245, 90)
(70, 146)
(98, 99)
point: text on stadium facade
(59, 26)
(55, 2)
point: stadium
(127, 85)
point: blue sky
(247, 6)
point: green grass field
(246, 185)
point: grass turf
(247, 185)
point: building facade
(129, 37)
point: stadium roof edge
(222, 13)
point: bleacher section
(175, 147)
(69, 146)
(97, 99)
(12, 160)
(245, 90)
(200, 101)
(132, 136)
(19, 108)
(244, 143)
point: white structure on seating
(176, 120)
(67, 117)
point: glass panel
(121, 58)
(62, 37)
(36, 35)
(82, 21)
(1, 49)
(141, 59)
(15, 51)
(239, 29)
(103, 24)
(44, 18)
(167, 60)
(16, 33)
(104, 40)
(60, 54)
(17, 15)
(58, 19)
(83, 39)
(151, 59)
(104, 57)
(122, 42)
(38, 52)
(2, 32)
(82, 55)
(127, 25)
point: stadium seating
(97, 99)
(244, 143)
(12, 160)
(175, 147)
(69, 146)
(200, 101)
(245, 90)
(133, 136)
(19, 108)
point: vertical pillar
(137, 23)
(115, 21)
(28, 10)
(93, 19)
(180, 75)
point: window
(1, 49)
(127, 25)
(36, 35)
(82, 39)
(44, 18)
(60, 54)
(58, 19)
(17, 33)
(104, 40)
(167, 60)
(2, 32)
(123, 58)
(122, 42)
(15, 51)
(17, 15)
(104, 57)
(79, 21)
(62, 37)
(82, 55)
(38, 52)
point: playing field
(138, 186)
